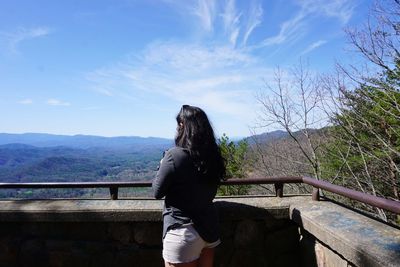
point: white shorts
(184, 244)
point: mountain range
(81, 141)
(36, 157)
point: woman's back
(188, 193)
(188, 178)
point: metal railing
(379, 202)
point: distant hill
(26, 163)
(37, 157)
(267, 137)
(274, 136)
(82, 141)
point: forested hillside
(81, 141)
(117, 160)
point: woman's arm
(164, 176)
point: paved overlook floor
(359, 239)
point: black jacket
(188, 195)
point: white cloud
(205, 11)
(255, 18)
(26, 101)
(238, 25)
(91, 108)
(15, 38)
(313, 46)
(231, 21)
(310, 10)
(103, 90)
(339, 9)
(218, 75)
(289, 31)
(56, 102)
(221, 19)
(187, 57)
(218, 78)
(104, 87)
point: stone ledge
(79, 210)
(360, 240)
(75, 210)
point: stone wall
(80, 244)
(315, 253)
(245, 243)
(251, 236)
(256, 231)
(259, 243)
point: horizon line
(104, 136)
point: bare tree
(378, 40)
(292, 102)
(359, 103)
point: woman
(188, 177)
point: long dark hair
(195, 133)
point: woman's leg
(206, 260)
(188, 264)
(206, 257)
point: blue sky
(125, 67)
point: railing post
(278, 189)
(315, 194)
(114, 192)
